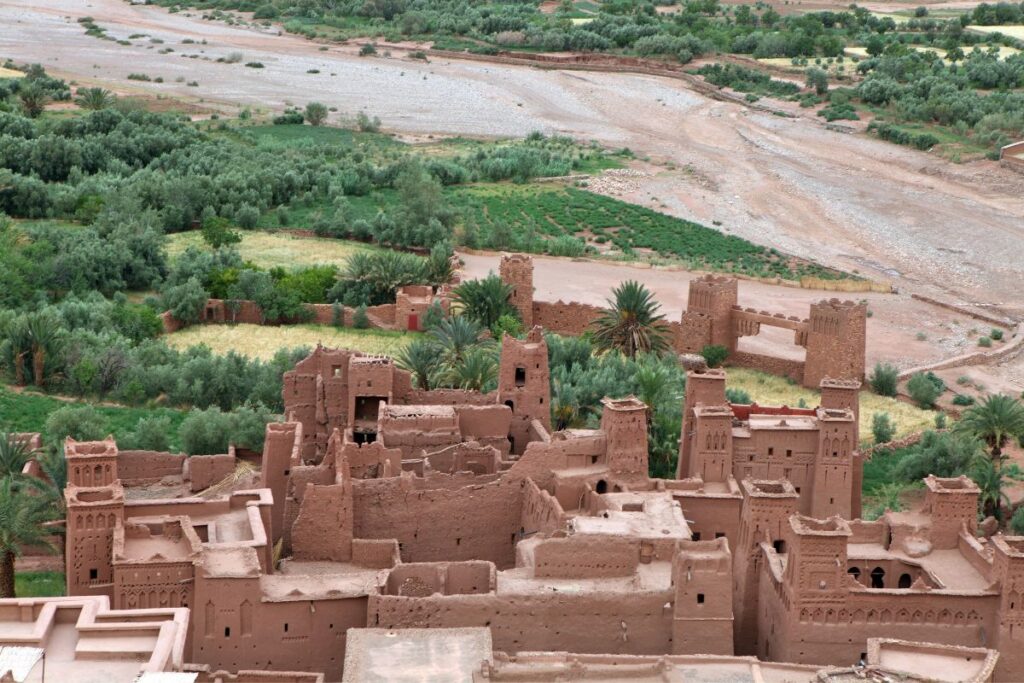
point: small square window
(696, 535)
(719, 534)
(94, 574)
(700, 598)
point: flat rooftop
(777, 422)
(949, 567)
(656, 576)
(412, 655)
(320, 581)
(639, 514)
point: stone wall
(218, 311)
(137, 468)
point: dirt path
(845, 200)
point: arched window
(878, 578)
(602, 486)
(905, 581)
(854, 572)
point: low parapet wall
(137, 468)
(1013, 155)
(221, 311)
(1010, 349)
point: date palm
(14, 454)
(33, 99)
(478, 370)
(632, 323)
(484, 300)
(996, 420)
(992, 481)
(23, 515)
(422, 360)
(46, 338)
(453, 338)
(94, 99)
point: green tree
(996, 420)
(23, 515)
(882, 428)
(484, 300)
(82, 423)
(94, 99)
(992, 482)
(714, 354)
(217, 232)
(453, 337)
(186, 301)
(476, 370)
(632, 323)
(924, 390)
(46, 337)
(884, 379)
(315, 114)
(14, 453)
(818, 79)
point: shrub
(882, 428)
(316, 113)
(337, 315)
(984, 341)
(289, 117)
(714, 354)
(963, 400)
(1017, 521)
(366, 124)
(360, 320)
(733, 395)
(254, 65)
(247, 216)
(996, 334)
(923, 390)
(367, 50)
(211, 431)
(940, 420)
(818, 79)
(883, 379)
(82, 423)
(267, 11)
(150, 434)
(186, 301)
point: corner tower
(836, 341)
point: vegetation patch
(39, 584)
(263, 341)
(277, 250)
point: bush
(316, 113)
(714, 354)
(984, 341)
(733, 395)
(186, 301)
(288, 118)
(254, 65)
(996, 334)
(247, 217)
(923, 390)
(211, 431)
(884, 379)
(1017, 521)
(81, 423)
(150, 434)
(882, 428)
(367, 50)
(360, 320)
(963, 400)
(818, 79)
(337, 315)
(366, 124)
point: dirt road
(845, 200)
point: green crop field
(536, 214)
(38, 584)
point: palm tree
(19, 342)
(485, 300)
(996, 420)
(454, 337)
(33, 99)
(632, 322)
(44, 331)
(94, 99)
(990, 480)
(14, 453)
(421, 358)
(478, 370)
(652, 387)
(22, 519)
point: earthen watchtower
(836, 341)
(524, 384)
(517, 270)
(707, 319)
(624, 422)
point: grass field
(10, 73)
(768, 389)
(263, 341)
(269, 250)
(38, 584)
(1012, 30)
(537, 214)
(27, 412)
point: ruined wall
(541, 512)
(465, 523)
(323, 528)
(784, 367)
(206, 470)
(572, 318)
(516, 270)
(443, 397)
(602, 622)
(137, 468)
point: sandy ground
(893, 328)
(842, 199)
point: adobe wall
(601, 622)
(711, 516)
(233, 628)
(443, 397)
(466, 457)
(323, 527)
(225, 312)
(464, 523)
(1012, 155)
(571, 318)
(586, 557)
(784, 367)
(541, 512)
(206, 470)
(137, 468)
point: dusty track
(846, 200)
